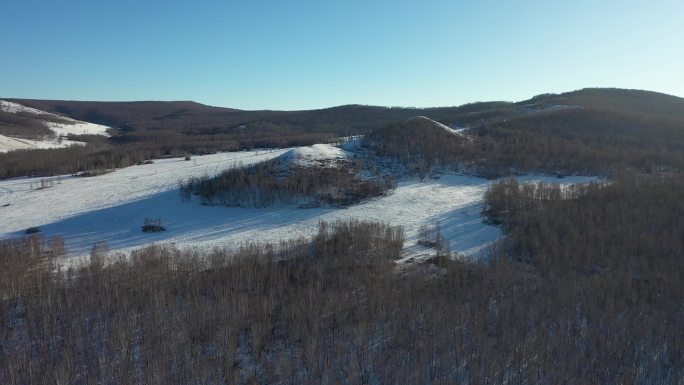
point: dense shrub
(268, 183)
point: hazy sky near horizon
(311, 54)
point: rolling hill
(590, 130)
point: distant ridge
(618, 100)
(593, 129)
(183, 115)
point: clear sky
(256, 54)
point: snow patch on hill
(8, 144)
(77, 128)
(324, 155)
(11, 144)
(14, 108)
(446, 128)
(65, 127)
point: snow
(14, 108)
(67, 127)
(69, 195)
(534, 108)
(113, 207)
(458, 131)
(318, 154)
(11, 144)
(76, 127)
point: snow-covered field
(113, 207)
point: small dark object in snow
(428, 244)
(152, 226)
(32, 230)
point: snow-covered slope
(113, 207)
(458, 131)
(316, 155)
(14, 108)
(76, 127)
(59, 125)
(11, 144)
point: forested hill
(596, 131)
(187, 115)
(632, 102)
(140, 114)
(195, 117)
(590, 130)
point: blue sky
(310, 54)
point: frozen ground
(113, 207)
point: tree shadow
(121, 226)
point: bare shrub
(266, 184)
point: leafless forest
(587, 289)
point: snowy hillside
(77, 127)
(11, 144)
(15, 108)
(59, 125)
(113, 207)
(316, 155)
